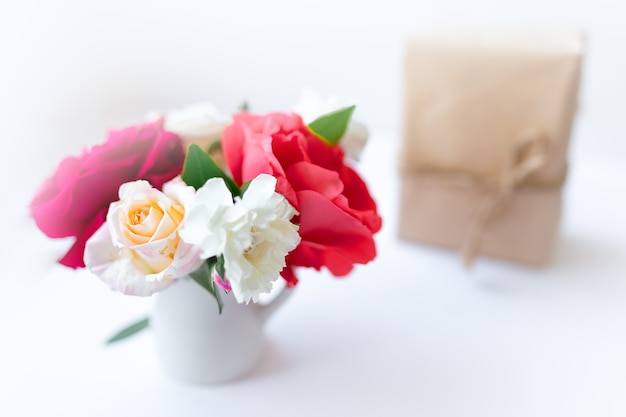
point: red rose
(75, 200)
(338, 217)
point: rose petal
(307, 176)
(75, 200)
(330, 236)
(117, 269)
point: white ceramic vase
(197, 345)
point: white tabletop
(410, 334)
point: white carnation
(253, 233)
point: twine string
(528, 154)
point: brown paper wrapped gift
(487, 122)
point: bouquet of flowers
(232, 202)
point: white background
(79, 67)
(410, 334)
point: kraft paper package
(487, 121)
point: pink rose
(338, 217)
(75, 200)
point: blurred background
(72, 69)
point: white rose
(201, 124)
(312, 105)
(138, 250)
(253, 233)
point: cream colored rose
(138, 250)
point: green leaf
(244, 106)
(215, 146)
(199, 167)
(203, 277)
(129, 331)
(245, 186)
(332, 126)
(219, 267)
